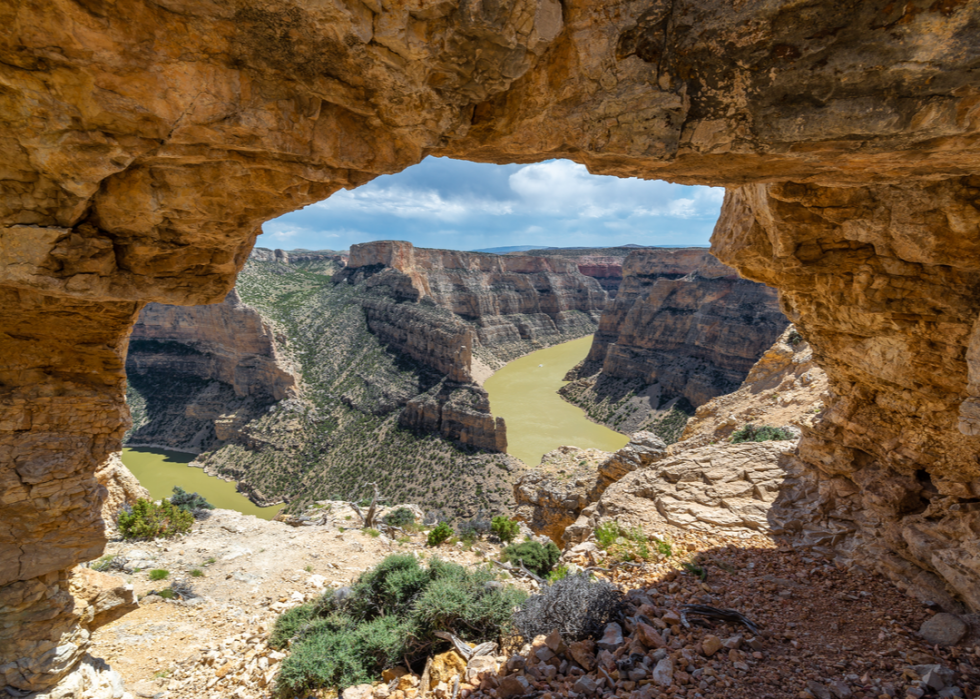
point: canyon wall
(510, 304)
(883, 282)
(145, 142)
(605, 265)
(198, 373)
(687, 322)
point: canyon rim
(145, 142)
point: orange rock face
(144, 143)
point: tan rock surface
(144, 144)
(121, 487)
(726, 487)
(785, 387)
(881, 281)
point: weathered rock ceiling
(143, 143)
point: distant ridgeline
(323, 372)
(682, 329)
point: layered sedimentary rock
(197, 373)
(883, 281)
(144, 144)
(727, 487)
(460, 413)
(785, 388)
(605, 265)
(298, 257)
(502, 305)
(686, 322)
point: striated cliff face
(144, 145)
(683, 329)
(198, 373)
(883, 282)
(605, 265)
(501, 306)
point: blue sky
(442, 203)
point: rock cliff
(504, 306)
(882, 282)
(144, 144)
(683, 329)
(198, 372)
(605, 265)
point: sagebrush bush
(388, 617)
(190, 502)
(147, 520)
(760, 433)
(159, 574)
(505, 528)
(473, 529)
(629, 543)
(440, 533)
(536, 558)
(578, 607)
(399, 517)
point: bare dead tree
(368, 519)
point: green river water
(159, 470)
(525, 394)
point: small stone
(361, 691)
(663, 673)
(943, 629)
(710, 645)
(612, 638)
(554, 642)
(406, 682)
(513, 686)
(818, 690)
(649, 636)
(840, 690)
(393, 673)
(583, 653)
(584, 685)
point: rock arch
(145, 141)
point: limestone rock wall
(883, 282)
(511, 304)
(121, 487)
(145, 142)
(686, 322)
(227, 342)
(198, 373)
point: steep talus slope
(683, 329)
(145, 142)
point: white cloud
(412, 203)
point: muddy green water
(525, 394)
(159, 471)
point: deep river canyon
(524, 392)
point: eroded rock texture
(198, 373)
(500, 306)
(884, 282)
(686, 322)
(143, 144)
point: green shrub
(576, 606)
(388, 617)
(761, 433)
(557, 573)
(400, 517)
(189, 502)
(159, 574)
(536, 558)
(373, 533)
(102, 565)
(147, 520)
(197, 573)
(629, 544)
(440, 533)
(167, 594)
(505, 528)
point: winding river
(159, 470)
(525, 394)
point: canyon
(145, 143)
(683, 329)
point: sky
(457, 205)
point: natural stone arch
(144, 142)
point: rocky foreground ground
(824, 632)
